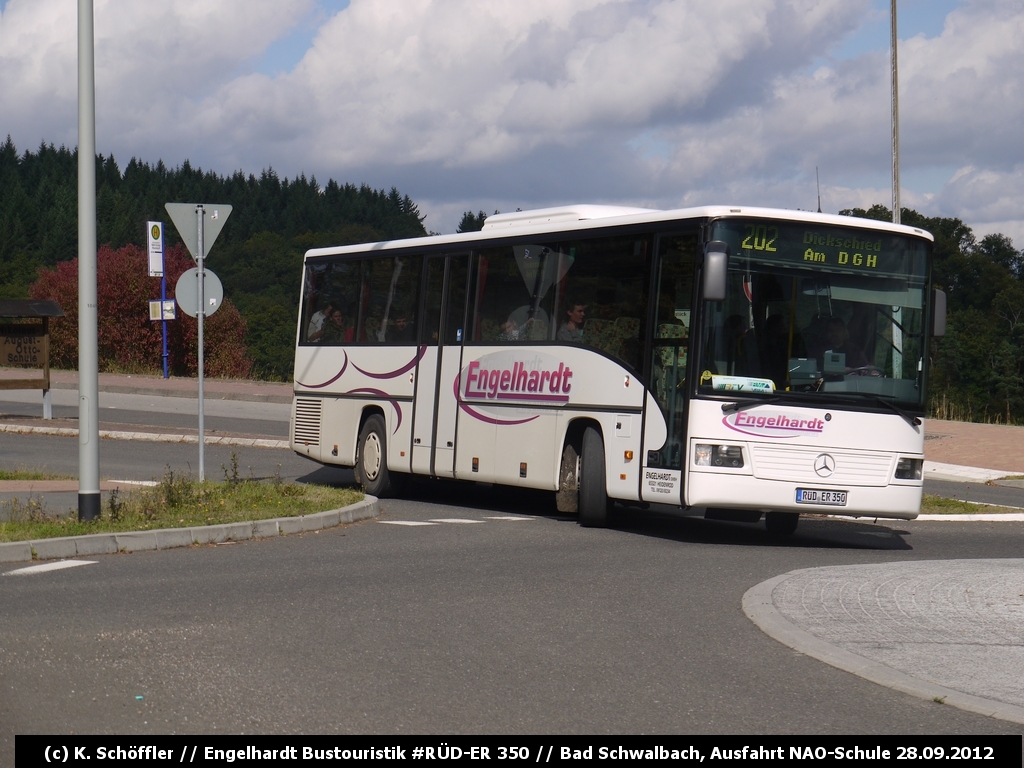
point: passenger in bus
(402, 332)
(572, 329)
(816, 337)
(509, 329)
(335, 331)
(839, 342)
(529, 323)
(315, 331)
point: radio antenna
(818, 184)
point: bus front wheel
(593, 502)
(781, 523)
(372, 459)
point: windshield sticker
(773, 424)
(742, 384)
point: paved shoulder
(951, 631)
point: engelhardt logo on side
(543, 379)
(774, 424)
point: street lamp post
(88, 340)
(895, 119)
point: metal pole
(163, 300)
(88, 340)
(897, 313)
(200, 315)
(895, 120)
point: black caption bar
(712, 751)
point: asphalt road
(977, 492)
(523, 625)
(121, 411)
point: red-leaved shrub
(128, 340)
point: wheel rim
(372, 456)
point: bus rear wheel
(781, 523)
(372, 459)
(594, 503)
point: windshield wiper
(911, 420)
(809, 398)
(742, 405)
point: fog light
(702, 455)
(909, 469)
(718, 455)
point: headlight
(705, 455)
(909, 469)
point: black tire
(594, 503)
(781, 523)
(372, 459)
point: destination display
(811, 246)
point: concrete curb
(254, 397)
(760, 609)
(152, 437)
(934, 470)
(1008, 517)
(169, 538)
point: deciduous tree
(128, 341)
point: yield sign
(185, 221)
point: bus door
(435, 407)
(672, 305)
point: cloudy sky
(505, 104)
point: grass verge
(936, 505)
(31, 474)
(176, 502)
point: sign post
(199, 241)
(155, 230)
(88, 313)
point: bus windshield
(818, 313)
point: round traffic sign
(186, 292)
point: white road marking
(509, 518)
(57, 566)
(403, 522)
(454, 520)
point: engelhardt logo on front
(503, 380)
(774, 424)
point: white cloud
(516, 103)
(153, 62)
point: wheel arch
(575, 429)
(367, 412)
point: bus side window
(608, 279)
(514, 294)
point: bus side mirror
(716, 263)
(939, 316)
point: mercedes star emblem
(824, 465)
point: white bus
(730, 362)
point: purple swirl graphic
(385, 395)
(392, 374)
(481, 417)
(329, 381)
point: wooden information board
(25, 346)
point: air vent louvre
(308, 413)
